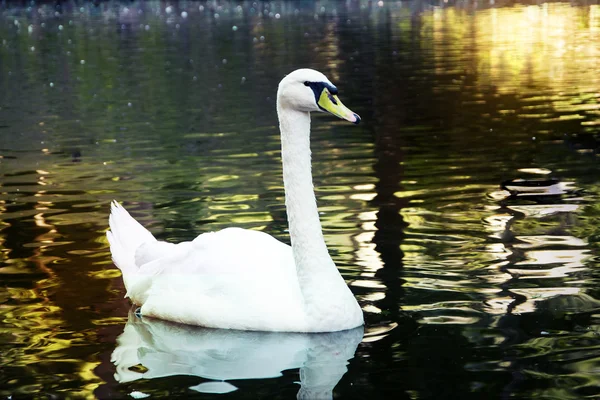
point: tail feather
(125, 236)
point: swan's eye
(307, 83)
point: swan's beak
(332, 104)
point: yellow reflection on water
(553, 45)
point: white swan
(243, 279)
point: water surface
(472, 284)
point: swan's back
(234, 278)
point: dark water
(471, 289)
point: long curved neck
(303, 216)
(325, 294)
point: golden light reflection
(370, 308)
(32, 320)
(515, 44)
(363, 196)
(522, 49)
(537, 171)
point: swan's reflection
(167, 349)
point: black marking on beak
(331, 98)
(317, 88)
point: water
(472, 286)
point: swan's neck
(301, 204)
(320, 282)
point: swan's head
(309, 90)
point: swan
(244, 279)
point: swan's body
(244, 279)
